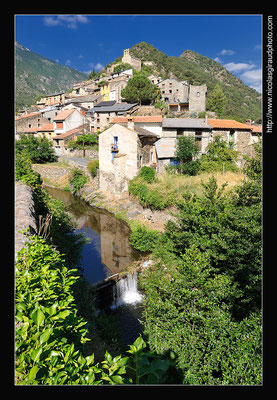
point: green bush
(78, 181)
(147, 174)
(142, 238)
(150, 197)
(39, 150)
(92, 167)
(206, 165)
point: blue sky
(87, 41)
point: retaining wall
(24, 214)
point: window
(232, 135)
(30, 125)
(198, 94)
(172, 161)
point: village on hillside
(131, 135)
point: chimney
(248, 122)
(130, 122)
(206, 119)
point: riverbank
(58, 175)
(127, 207)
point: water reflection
(109, 250)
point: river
(106, 254)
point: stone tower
(133, 61)
(197, 98)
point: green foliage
(34, 73)
(24, 171)
(78, 181)
(186, 149)
(39, 150)
(185, 153)
(218, 150)
(242, 102)
(142, 238)
(206, 165)
(139, 89)
(186, 313)
(147, 174)
(49, 332)
(216, 100)
(121, 67)
(90, 141)
(232, 237)
(253, 166)
(92, 167)
(150, 197)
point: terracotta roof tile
(46, 127)
(227, 123)
(142, 118)
(64, 114)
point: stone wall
(24, 214)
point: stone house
(65, 122)
(233, 132)
(152, 123)
(174, 91)
(46, 131)
(102, 114)
(28, 123)
(56, 98)
(88, 101)
(198, 128)
(123, 150)
(181, 96)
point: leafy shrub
(39, 150)
(206, 165)
(90, 140)
(142, 238)
(24, 171)
(49, 333)
(150, 197)
(147, 174)
(78, 181)
(92, 167)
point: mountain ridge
(243, 102)
(37, 75)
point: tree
(139, 89)
(185, 153)
(39, 150)
(187, 314)
(216, 101)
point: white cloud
(217, 59)
(225, 52)
(253, 78)
(97, 67)
(68, 62)
(69, 21)
(237, 67)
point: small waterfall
(125, 291)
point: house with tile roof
(123, 150)
(102, 114)
(28, 123)
(64, 123)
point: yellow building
(47, 131)
(105, 90)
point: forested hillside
(36, 75)
(242, 101)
